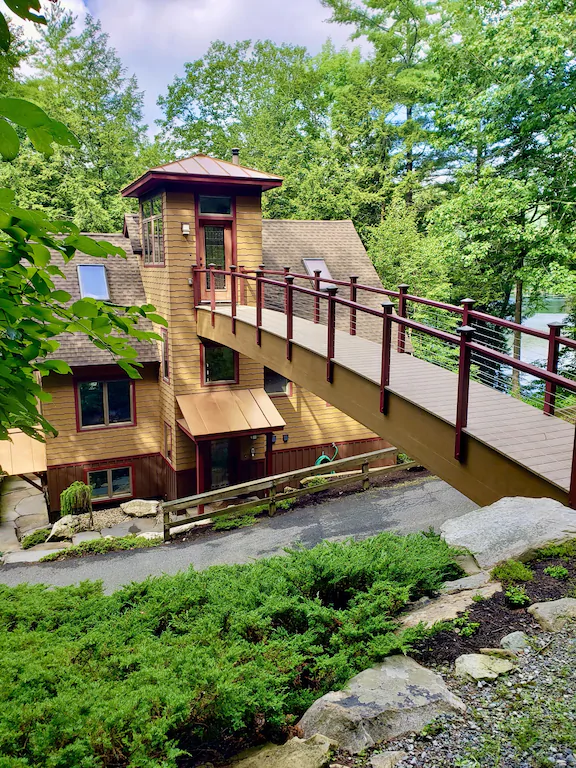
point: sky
(154, 38)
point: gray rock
(516, 641)
(78, 538)
(68, 526)
(447, 607)
(296, 753)
(477, 666)
(140, 508)
(388, 700)
(386, 759)
(468, 582)
(513, 527)
(151, 535)
(35, 554)
(554, 614)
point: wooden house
(201, 416)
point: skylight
(93, 282)
(315, 265)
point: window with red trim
(220, 364)
(275, 383)
(110, 483)
(105, 403)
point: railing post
(233, 296)
(402, 310)
(572, 491)
(286, 272)
(387, 308)
(330, 345)
(468, 306)
(316, 284)
(166, 523)
(259, 301)
(289, 315)
(365, 476)
(353, 297)
(243, 286)
(212, 267)
(552, 367)
(466, 333)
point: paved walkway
(22, 507)
(411, 506)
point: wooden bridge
(356, 353)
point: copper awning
(208, 415)
(22, 455)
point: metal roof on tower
(201, 169)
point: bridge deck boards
(541, 443)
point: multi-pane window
(93, 282)
(213, 205)
(220, 364)
(110, 483)
(105, 403)
(274, 383)
(215, 250)
(153, 231)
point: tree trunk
(517, 345)
(409, 160)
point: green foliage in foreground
(512, 572)
(101, 546)
(38, 537)
(177, 661)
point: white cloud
(154, 38)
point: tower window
(153, 232)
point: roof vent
(236, 156)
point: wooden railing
(275, 487)
(462, 339)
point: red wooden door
(216, 248)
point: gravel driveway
(405, 507)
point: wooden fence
(280, 488)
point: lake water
(534, 349)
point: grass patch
(101, 546)
(565, 551)
(512, 572)
(243, 520)
(230, 653)
(38, 537)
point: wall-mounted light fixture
(285, 438)
(185, 228)
(252, 452)
(253, 437)
(273, 439)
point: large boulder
(296, 753)
(393, 698)
(513, 527)
(140, 508)
(554, 614)
(68, 526)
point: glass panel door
(219, 464)
(215, 250)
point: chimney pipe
(236, 156)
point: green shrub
(465, 627)
(512, 572)
(517, 597)
(198, 658)
(566, 550)
(557, 572)
(38, 537)
(76, 499)
(101, 546)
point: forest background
(450, 144)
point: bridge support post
(259, 302)
(552, 367)
(354, 298)
(289, 315)
(466, 332)
(387, 308)
(233, 296)
(331, 341)
(402, 312)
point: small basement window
(315, 265)
(110, 483)
(275, 384)
(93, 281)
(215, 206)
(220, 364)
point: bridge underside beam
(484, 475)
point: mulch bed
(497, 618)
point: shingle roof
(286, 242)
(125, 285)
(132, 231)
